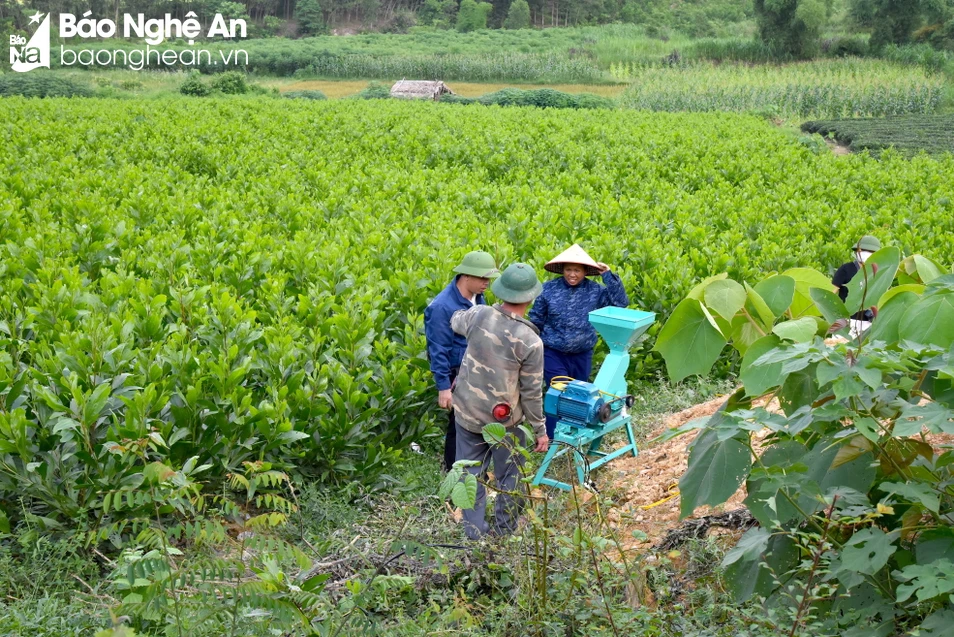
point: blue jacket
(445, 349)
(560, 312)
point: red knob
(502, 412)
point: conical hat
(573, 254)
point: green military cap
(517, 284)
(868, 243)
(479, 264)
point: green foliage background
(245, 278)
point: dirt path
(641, 485)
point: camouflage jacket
(503, 364)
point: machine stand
(587, 440)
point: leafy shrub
(194, 86)
(39, 84)
(374, 91)
(855, 46)
(542, 98)
(400, 22)
(457, 99)
(130, 85)
(846, 476)
(275, 314)
(305, 95)
(591, 101)
(230, 83)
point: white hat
(573, 254)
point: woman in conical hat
(561, 313)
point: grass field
(334, 89)
(203, 288)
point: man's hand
(543, 443)
(445, 399)
(602, 267)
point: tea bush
(245, 283)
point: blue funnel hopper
(619, 327)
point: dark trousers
(507, 464)
(556, 363)
(450, 437)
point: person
(561, 315)
(501, 380)
(863, 249)
(445, 350)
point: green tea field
(211, 306)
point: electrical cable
(672, 488)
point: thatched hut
(420, 90)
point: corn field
(465, 68)
(835, 88)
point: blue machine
(586, 411)
(577, 405)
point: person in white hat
(561, 313)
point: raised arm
(613, 293)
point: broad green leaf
(929, 581)
(690, 341)
(805, 280)
(450, 480)
(716, 470)
(778, 292)
(867, 287)
(934, 544)
(464, 494)
(764, 499)
(157, 473)
(937, 624)
(914, 492)
(941, 285)
(744, 333)
(886, 326)
(749, 547)
(828, 303)
(725, 297)
(937, 418)
(699, 290)
(857, 473)
(916, 288)
(926, 269)
(759, 309)
(759, 379)
(798, 390)
(4, 523)
(494, 433)
(867, 551)
(801, 330)
(868, 428)
(315, 583)
(930, 321)
(96, 402)
(748, 575)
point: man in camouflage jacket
(503, 366)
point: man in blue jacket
(445, 349)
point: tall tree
(893, 21)
(472, 15)
(791, 27)
(518, 17)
